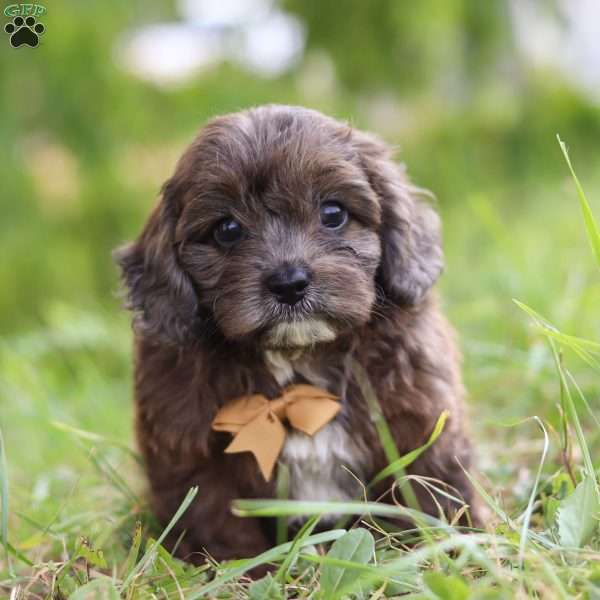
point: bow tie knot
(257, 423)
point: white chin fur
(299, 334)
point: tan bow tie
(257, 424)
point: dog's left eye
(333, 215)
(228, 232)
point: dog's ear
(159, 293)
(412, 258)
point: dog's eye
(228, 232)
(333, 215)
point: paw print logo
(24, 31)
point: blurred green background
(88, 136)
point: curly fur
(207, 330)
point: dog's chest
(328, 465)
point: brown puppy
(285, 246)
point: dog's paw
(24, 31)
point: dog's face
(280, 227)
(279, 231)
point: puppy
(286, 246)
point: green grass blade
(573, 416)
(3, 492)
(4, 502)
(582, 347)
(529, 509)
(14, 552)
(274, 508)
(422, 555)
(132, 556)
(238, 568)
(97, 438)
(305, 531)
(115, 479)
(406, 460)
(143, 563)
(338, 562)
(385, 435)
(283, 492)
(583, 399)
(103, 589)
(591, 226)
(566, 397)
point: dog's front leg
(208, 525)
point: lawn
(521, 287)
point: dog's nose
(288, 284)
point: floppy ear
(159, 292)
(411, 251)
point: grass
(74, 519)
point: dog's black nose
(288, 283)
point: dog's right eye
(333, 215)
(228, 232)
